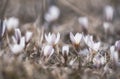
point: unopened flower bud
(65, 50)
(108, 12)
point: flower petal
(14, 40)
(17, 35)
(57, 38)
(28, 36)
(72, 37)
(46, 37)
(96, 46)
(22, 42)
(48, 50)
(78, 38)
(3, 28)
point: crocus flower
(28, 36)
(114, 54)
(76, 39)
(65, 50)
(106, 26)
(91, 44)
(52, 14)
(12, 23)
(17, 48)
(52, 39)
(48, 50)
(108, 12)
(83, 21)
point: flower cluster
(52, 41)
(84, 44)
(19, 41)
(92, 53)
(41, 48)
(88, 39)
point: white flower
(12, 23)
(17, 48)
(83, 21)
(28, 36)
(18, 42)
(65, 50)
(2, 27)
(106, 26)
(91, 44)
(52, 14)
(52, 38)
(48, 51)
(99, 60)
(76, 39)
(114, 54)
(108, 11)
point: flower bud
(48, 51)
(108, 12)
(65, 50)
(12, 23)
(84, 22)
(52, 14)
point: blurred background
(28, 10)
